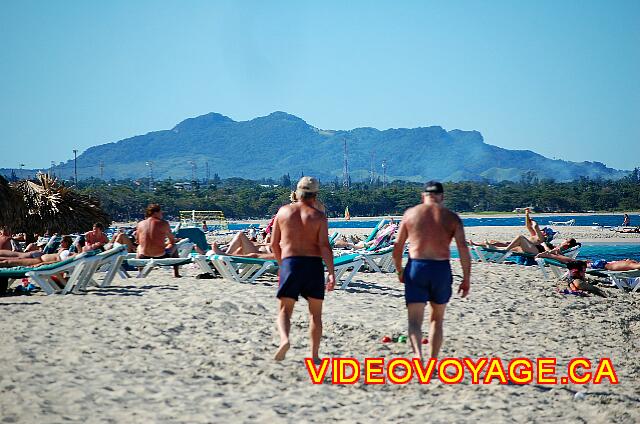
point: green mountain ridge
(280, 143)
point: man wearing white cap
(300, 243)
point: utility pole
(345, 169)
(193, 170)
(150, 165)
(206, 164)
(51, 169)
(384, 173)
(372, 171)
(101, 170)
(75, 165)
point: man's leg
(624, 265)
(284, 325)
(416, 316)
(436, 319)
(176, 268)
(517, 242)
(315, 325)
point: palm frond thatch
(12, 207)
(55, 208)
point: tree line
(241, 199)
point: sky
(561, 78)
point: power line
(150, 165)
(75, 165)
(345, 169)
(384, 173)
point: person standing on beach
(154, 237)
(429, 228)
(300, 243)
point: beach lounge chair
(195, 235)
(147, 265)
(380, 260)
(46, 276)
(486, 254)
(349, 265)
(621, 279)
(248, 270)
(624, 279)
(235, 268)
(332, 239)
(108, 262)
(375, 230)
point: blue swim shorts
(301, 275)
(427, 280)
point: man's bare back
(300, 230)
(430, 229)
(5, 242)
(152, 234)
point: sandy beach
(195, 351)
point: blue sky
(559, 78)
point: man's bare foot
(282, 351)
(216, 249)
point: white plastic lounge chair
(43, 275)
(486, 254)
(624, 279)
(568, 223)
(379, 260)
(342, 264)
(248, 270)
(109, 262)
(147, 265)
(621, 279)
(236, 268)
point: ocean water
(581, 220)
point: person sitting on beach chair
(32, 260)
(96, 238)
(154, 237)
(121, 238)
(6, 239)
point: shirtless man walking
(300, 243)
(429, 228)
(152, 235)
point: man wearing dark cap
(429, 228)
(300, 243)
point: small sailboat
(347, 215)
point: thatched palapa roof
(50, 206)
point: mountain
(280, 143)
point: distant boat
(347, 215)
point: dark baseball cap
(433, 187)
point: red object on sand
(386, 339)
(425, 341)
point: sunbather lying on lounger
(384, 235)
(524, 245)
(577, 269)
(61, 255)
(622, 265)
(241, 246)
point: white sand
(195, 351)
